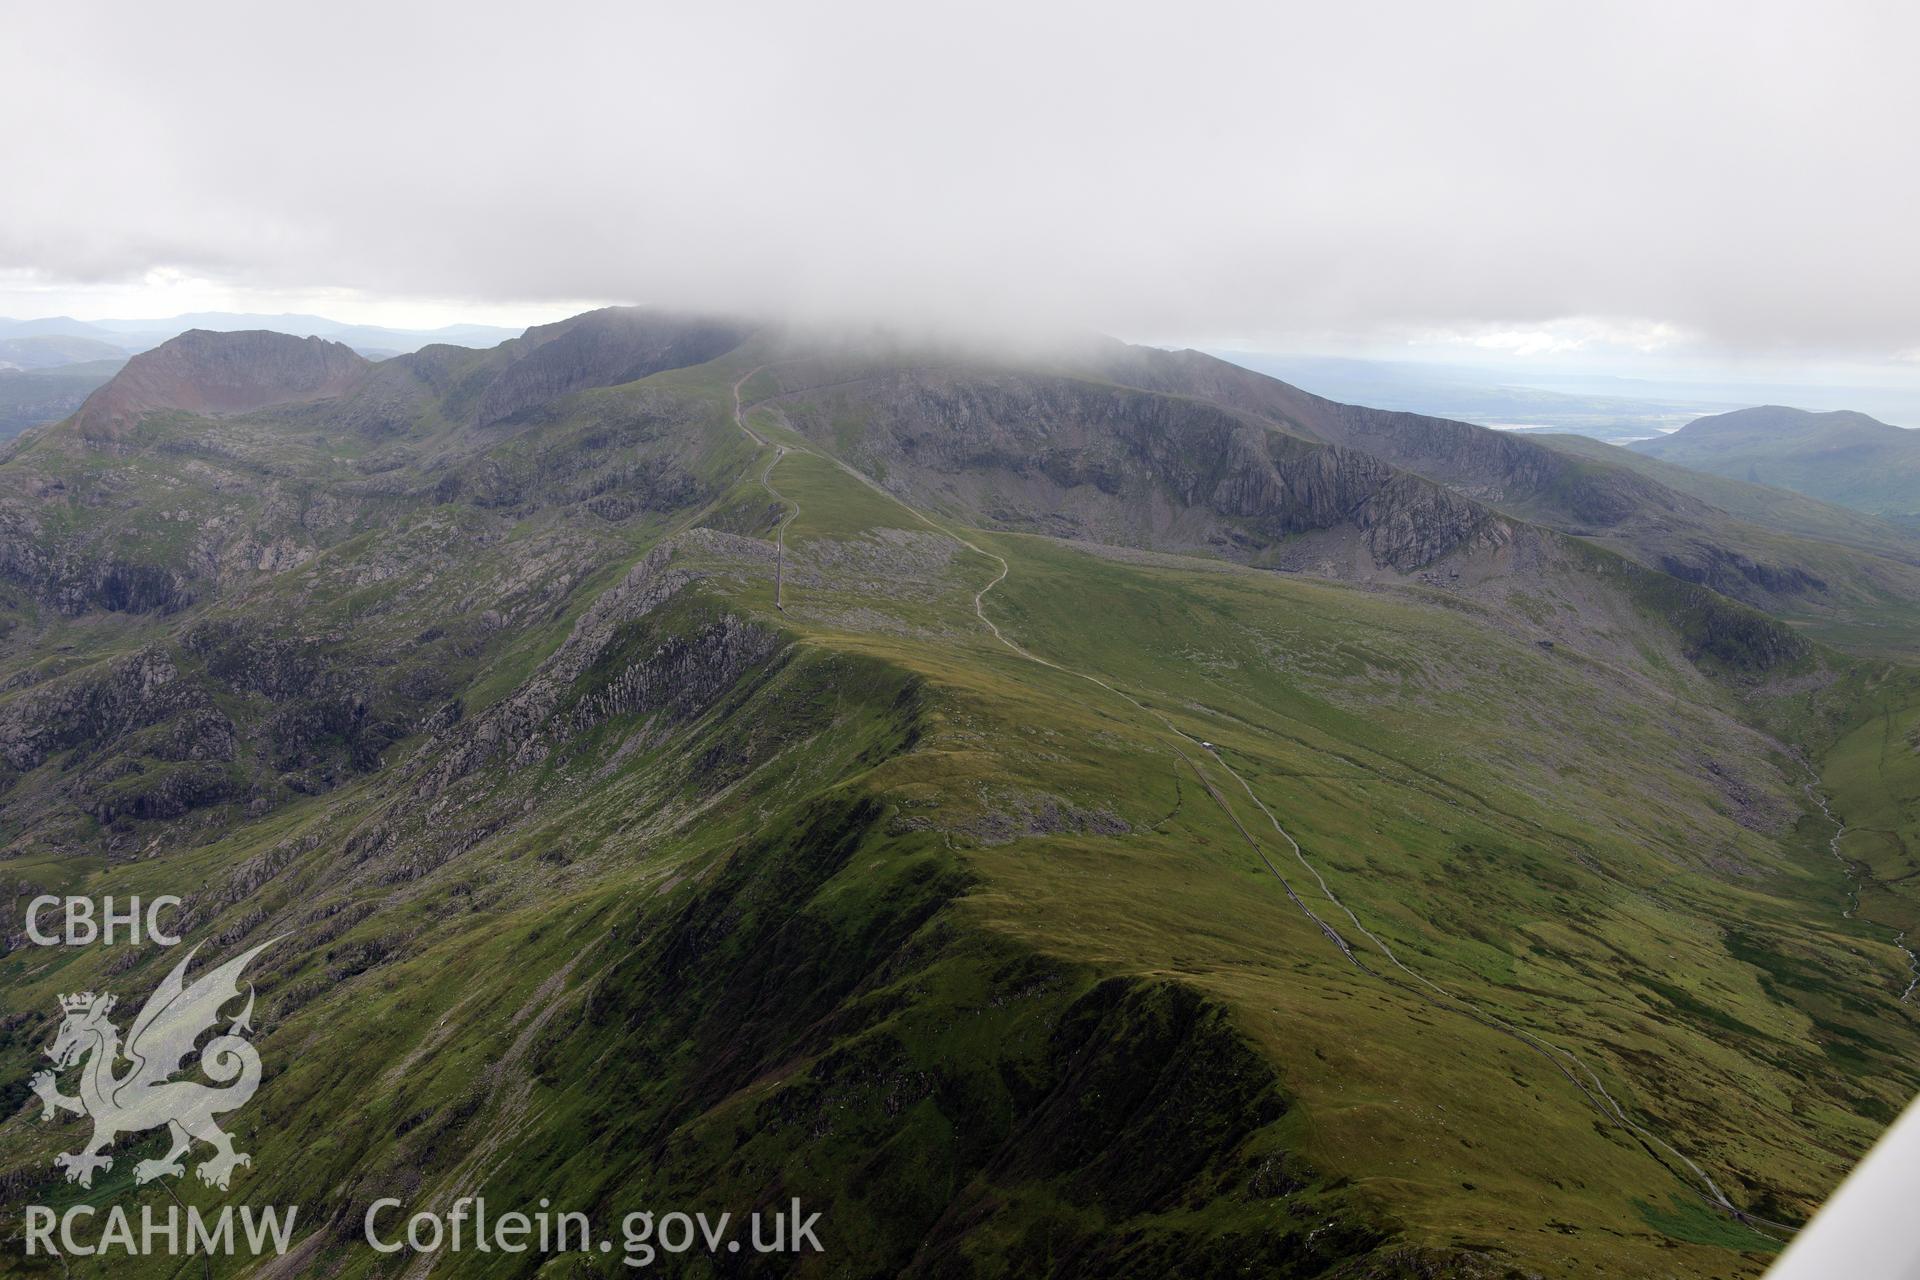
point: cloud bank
(1737, 171)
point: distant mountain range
(52, 351)
(140, 335)
(1844, 458)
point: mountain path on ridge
(766, 482)
(1610, 1108)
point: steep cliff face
(221, 373)
(1502, 468)
(1587, 496)
(1086, 459)
(1493, 466)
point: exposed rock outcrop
(1086, 459)
(605, 668)
(1588, 496)
(94, 706)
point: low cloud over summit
(1245, 170)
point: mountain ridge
(220, 373)
(1407, 518)
(939, 890)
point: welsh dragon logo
(142, 1097)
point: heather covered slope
(624, 887)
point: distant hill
(52, 326)
(1781, 510)
(50, 351)
(1845, 458)
(142, 335)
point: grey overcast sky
(1522, 178)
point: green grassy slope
(1872, 780)
(661, 896)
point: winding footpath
(766, 482)
(1569, 1064)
